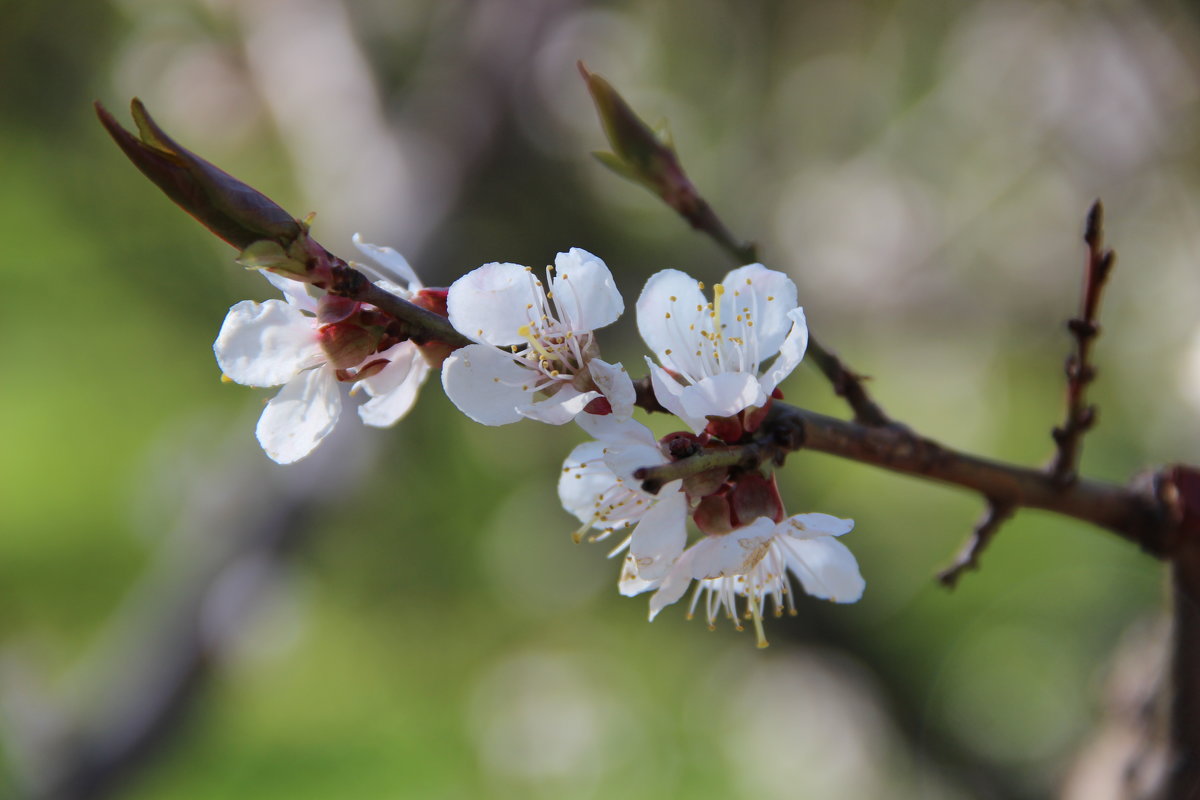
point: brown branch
(848, 385)
(997, 514)
(1179, 488)
(1184, 772)
(747, 456)
(1134, 512)
(421, 324)
(1080, 416)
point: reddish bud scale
(727, 429)
(755, 496)
(599, 406)
(705, 483)
(347, 343)
(732, 430)
(370, 368)
(713, 515)
(332, 309)
(436, 351)
(432, 300)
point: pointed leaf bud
(639, 154)
(229, 208)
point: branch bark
(1136, 512)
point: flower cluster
(308, 346)
(534, 354)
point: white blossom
(598, 487)
(535, 354)
(711, 351)
(756, 562)
(279, 343)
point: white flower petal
(395, 267)
(670, 303)
(300, 416)
(489, 304)
(722, 395)
(659, 539)
(565, 405)
(669, 394)
(790, 353)
(814, 525)
(673, 584)
(631, 583)
(294, 291)
(616, 385)
(765, 297)
(584, 291)
(486, 384)
(733, 553)
(612, 430)
(266, 344)
(626, 458)
(394, 389)
(825, 567)
(583, 480)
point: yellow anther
(527, 332)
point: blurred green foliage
(438, 635)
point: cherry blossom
(754, 562)
(533, 342)
(308, 346)
(598, 487)
(711, 351)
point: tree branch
(1080, 416)
(421, 324)
(997, 514)
(1136, 512)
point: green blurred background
(404, 615)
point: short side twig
(1080, 416)
(848, 385)
(997, 513)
